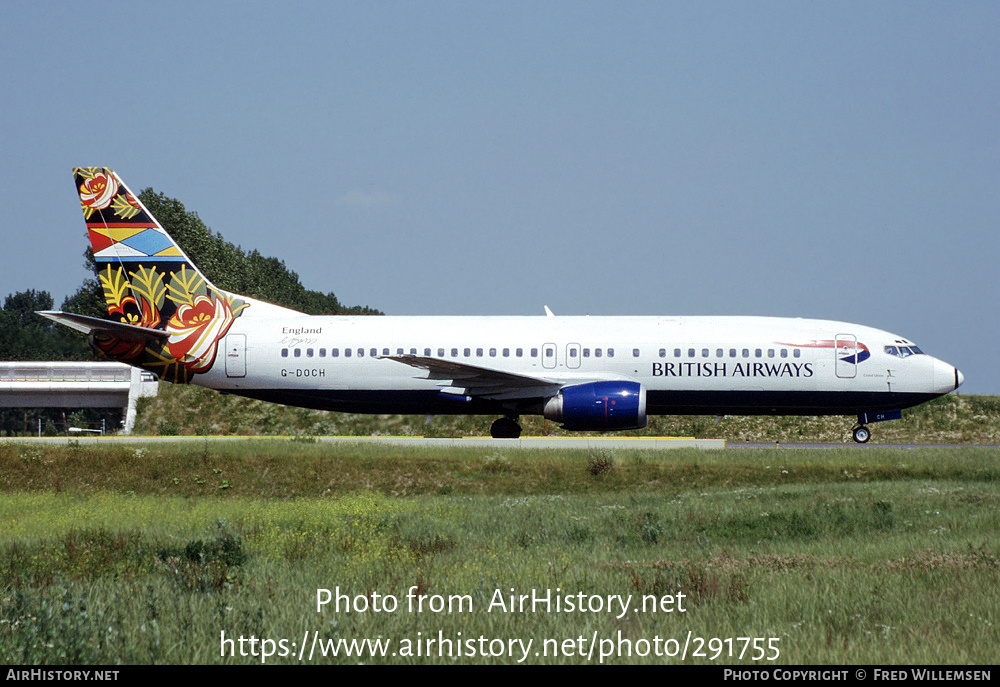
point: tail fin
(123, 233)
(149, 282)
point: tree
(226, 265)
(27, 336)
(232, 269)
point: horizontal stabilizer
(95, 325)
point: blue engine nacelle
(599, 406)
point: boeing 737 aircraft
(587, 373)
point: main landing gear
(505, 428)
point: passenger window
(413, 351)
(373, 352)
(770, 353)
(586, 353)
(284, 352)
(663, 353)
(519, 352)
(597, 352)
(454, 353)
(309, 352)
(361, 353)
(746, 352)
(784, 352)
(572, 353)
(440, 352)
(347, 352)
(796, 353)
(534, 352)
(334, 352)
(506, 353)
(635, 352)
(611, 353)
(757, 353)
(719, 352)
(732, 352)
(298, 352)
(479, 353)
(704, 353)
(493, 353)
(467, 352)
(690, 352)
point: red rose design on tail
(97, 192)
(195, 330)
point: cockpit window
(903, 351)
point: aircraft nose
(946, 377)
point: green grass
(286, 468)
(125, 554)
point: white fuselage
(717, 365)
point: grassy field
(191, 410)
(157, 553)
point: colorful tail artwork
(174, 317)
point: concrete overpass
(75, 385)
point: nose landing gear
(861, 434)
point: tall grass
(841, 556)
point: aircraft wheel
(505, 428)
(862, 434)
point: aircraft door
(846, 351)
(549, 356)
(236, 355)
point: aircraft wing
(109, 328)
(462, 379)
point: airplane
(587, 373)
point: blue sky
(831, 160)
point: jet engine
(599, 406)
